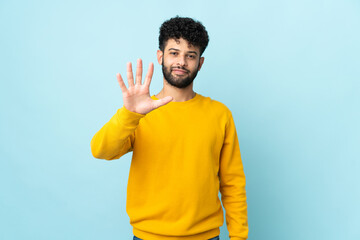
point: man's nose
(182, 60)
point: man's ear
(160, 56)
(201, 61)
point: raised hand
(137, 97)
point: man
(185, 147)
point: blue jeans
(215, 238)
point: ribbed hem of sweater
(202, 236)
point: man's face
(180, 62)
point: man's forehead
(180, 42)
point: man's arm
(116, 137)
(232, 185)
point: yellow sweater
(183, 154)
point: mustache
(181, 68)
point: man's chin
(179, 84)
(177, 78)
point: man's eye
(191, 56)
(173, 53)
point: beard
(179, 82)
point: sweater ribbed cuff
(128, 118)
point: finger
(149, 74)
(129, 74)
(121, 82)
(139, 69)
(162, 102)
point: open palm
(136, 97)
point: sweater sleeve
(232, 185)
(117, 136)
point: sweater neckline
(194, 99)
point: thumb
(162, 102)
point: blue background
(288, 70)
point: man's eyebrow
(174, 49)
(193, 52)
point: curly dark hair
(183, 27)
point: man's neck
(178, 94)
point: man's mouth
(179, 71)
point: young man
(185, 147)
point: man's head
(187, 28)
(182, 41)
